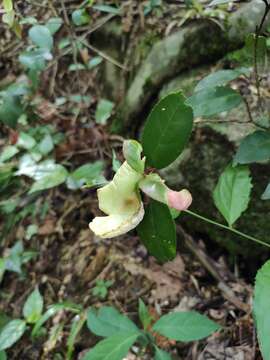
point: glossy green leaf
(104, 111)
(79, 99)
(185, 326)
(113, 348)
(41, 36)
(144, 315)
(151, 5)
(76, 327)
(101, 288)
(8, 153)
(220, 78)
(63, 43)
(261, 309)
(6, 175)
(95, 61)
(91, 173)
(54, 24)
(161, 354)
(88, 171)
(232, 193)
(107, 9)
(54, 309)
(108, 321)
(132, 151)
(46, 145)
(33, 307)
(19, 88)
(14, 260)
(255, 147)
(157, 231)
(25, 141)
(11, 109)
(212, 101)
(266, 194)
(31, 231)
(11, 333)
(76, 67)
(28, 167)
(167, 130)
(80, 17)
(54, 178)
(35, 60)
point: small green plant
(15, 329)
(9, 17)
(101, 288)
(39, 52)
(14, 260)
(121, 333)
(152, 5)
(34, 319)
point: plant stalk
(257, 34)
(237, 232)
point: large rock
(197, 43)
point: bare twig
(257, 34)
(82, 39)
(248, 110)
(103, 55)
(74, 49)
(233, 121)
(97, 26)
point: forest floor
(70, 259)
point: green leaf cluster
(121, 333)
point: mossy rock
(200, 42)
(209, 154)
(211, 149)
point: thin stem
(248, 110)
(237, 232)
(267, 8)
(103, 55)
(257, 34)
(251, 120)
(233, 121)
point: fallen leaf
(220, 351)
(48, 227)
(167, 278)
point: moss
(144, 46)
(209, 154)
(186, 81)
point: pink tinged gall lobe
(179, 200)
